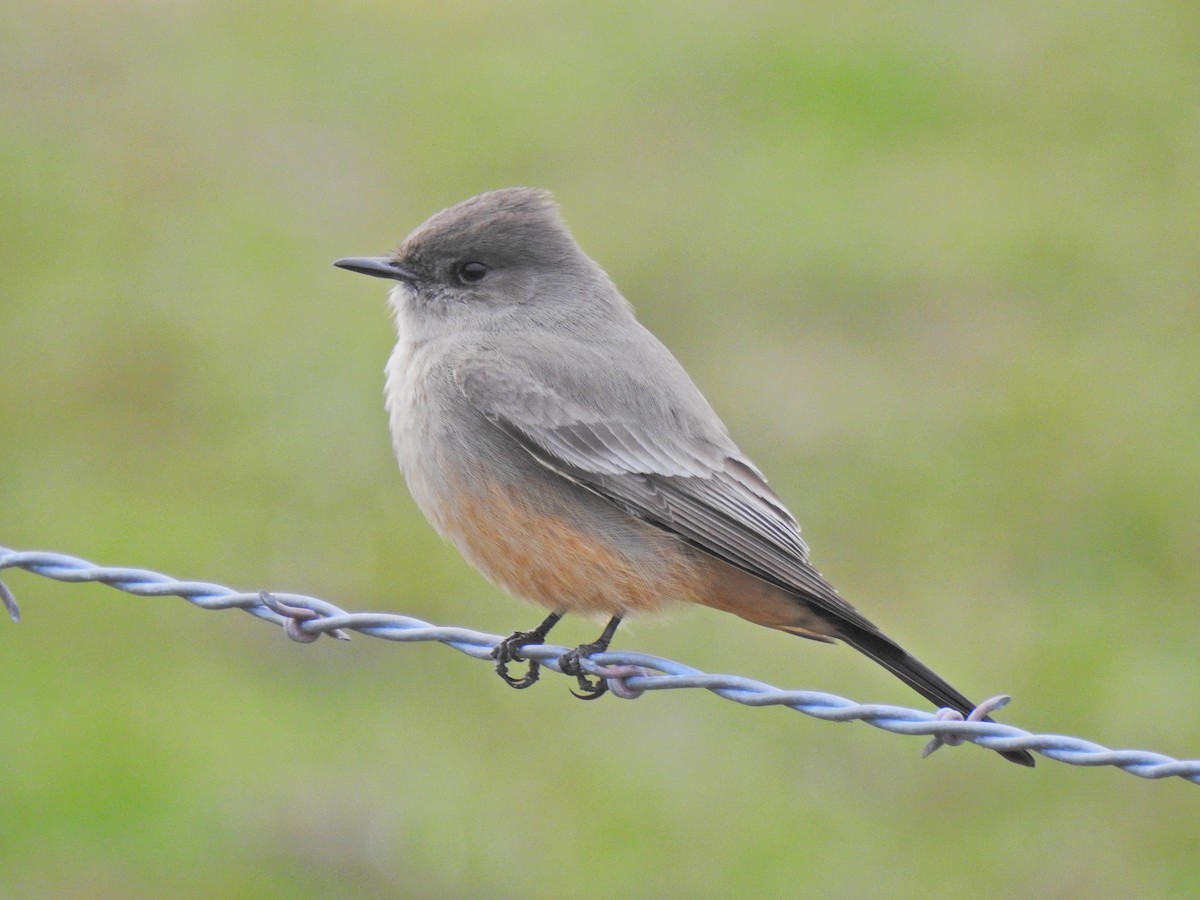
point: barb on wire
(629, 675)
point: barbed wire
(628, 674)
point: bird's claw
(509, 650)
(569, 662)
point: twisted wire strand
(629, 674)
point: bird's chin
(401, 294)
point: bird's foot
(569, 664)
(509, 650)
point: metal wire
(629, 675)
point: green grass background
(935, 263)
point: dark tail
(917, 676)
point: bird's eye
(471, 272)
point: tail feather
(918, 676)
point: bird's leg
(569, 662)
(509, 650)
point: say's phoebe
(567, 454)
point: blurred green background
(935, 263)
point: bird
(567, 454)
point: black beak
(378, 266)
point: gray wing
(671, 464)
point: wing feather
(699, 487)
